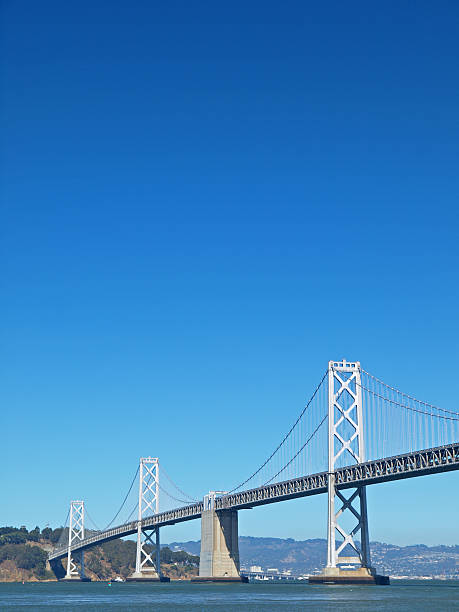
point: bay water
(400, 596)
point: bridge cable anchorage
(163, 471)
(432, 414)
(298, 452)
(285, 437)
(124, 500)
(408, 396)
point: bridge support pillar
(346, 446)
(219, 558)
(147, 565)
(76, 533)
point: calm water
(400, 596)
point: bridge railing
(163, 518)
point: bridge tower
(147, 568)
(219, 556)
(76, 533)
(345, 447)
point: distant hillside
(24, 556)
(117, 558)
(308, 556)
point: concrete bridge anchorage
(219, 557)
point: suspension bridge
(355, 431)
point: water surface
(402, 596)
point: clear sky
(203, 203)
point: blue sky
(202, 205)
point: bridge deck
(409, 465)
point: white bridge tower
(147, 566)
(76, 534)
(346, 446)
(347, 508)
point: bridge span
(410, 465)
(364, 426)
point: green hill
(24, 557)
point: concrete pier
(147, 576)
(219, 559)
(362, 575)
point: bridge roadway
(410, 465)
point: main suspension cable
(67, 518)
(184, 501)
(409, 396)
(285, 437)
(124, 500)
(301, 449)
(60, 541)
(92, 520)
(390, 401)
(136, 507)
(163, 471)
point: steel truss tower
(76, 533)
(346, 446)
(146, 567)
